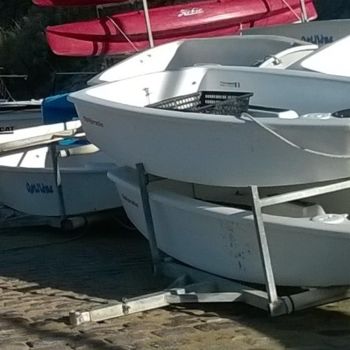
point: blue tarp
(57, 109)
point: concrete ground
(45, 273)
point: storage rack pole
(58, 180)
(274, 301)
(148, 23)
(303, 11)
(143, 182)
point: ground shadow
(110, 261)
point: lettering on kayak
(7, 129)
(34, 188)
(234, 84)
(190, 12)
(93, 121)
(130, 201)
(318, 39)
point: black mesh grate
(212, 102)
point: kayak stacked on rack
(50, 3)
(126, 32)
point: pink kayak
(51, 3)
(126, 32)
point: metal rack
(192, 286)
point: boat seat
(269, 112)
(297, 209)
(240, 198)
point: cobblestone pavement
(45, 273)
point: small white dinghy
(134, 122)
(308, 247)
(28, 176)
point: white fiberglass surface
(288, 57)
(147, 89)
(29, 159)
(22, 134)
(153, 60)
(271, 87)
(212, 201)
(333, 59)
(235, 50)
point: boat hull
(221, 150)
(126, 33)
(14, 120)
(318, 32)
(19, 114)
(233, 50)
(222, 240)
(28, 184)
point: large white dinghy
(262, 146)
(308, 246)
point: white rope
(292, 10)
(291, 143)
(122, 33)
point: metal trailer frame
(194, 286)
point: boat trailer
(194, 286)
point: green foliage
(24, 50)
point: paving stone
(51, 344)
(40, 289)
(19, 342)
(205, 327)
(14, 346)
(180, 320)
(174, 332)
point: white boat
(254, 50)
(28, 181)
(316, 32)
(25, 136)
(15, 115)
(224, 150)
(19, 114)
(308, 247)
(265, 51)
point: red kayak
(50, 3)
(126, 32)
